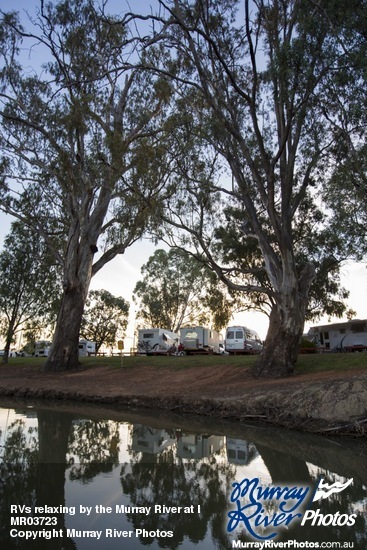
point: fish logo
(324, 490)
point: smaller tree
(29, 285)
(177, 290)
(105, 318)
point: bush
(307, 347)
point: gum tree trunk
(64, 352)
(8, 342)
(10, 333)
(286, 326)
(281, 348)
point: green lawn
(329, 361)
(306, 363)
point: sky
(120, 275)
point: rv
(200, 340)
(86, 348)
(343, 336)
(242, 340)
(42, 348)
(156, 340)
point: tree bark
(64, 354)
(7, 348)
(9, 338)
(286, 326)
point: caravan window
(358, 327)
(147, 335)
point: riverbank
(332, 401)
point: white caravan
(354, 342)
(242, 340)
(86, 348)
(343, 336)
(156, 340)
(42, 348)
(200, 340)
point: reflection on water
(121, 480)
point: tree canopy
(30, 285)
(105, 318)
(346, 196)
(177, 290)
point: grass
(177, 363)
(330, 361)
(311, 363)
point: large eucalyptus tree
(264, 85)
(78, 134)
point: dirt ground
(332, 402)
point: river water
(93, 478)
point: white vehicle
(42, 348)
(338, 337)
(354, 342)
(86, 348)
(157, 340)
(242, 340)
(200, 340)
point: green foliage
(307, 347)
(82, 112)
(275, 90)
(346, 195)
(29, 284)
(105, 318)
(178, 290)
